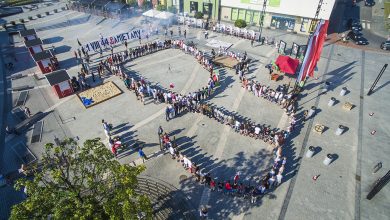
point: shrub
(161, 8)
(198, 15)
(172, 9)
(240, 23)
(13, 22)
(21, 20)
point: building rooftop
(27, 32)
(42, 55)
(31, 43)
(57, 77)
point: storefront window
(234, 14)
(305, 25)
(194, 6)
(283, 23)
(207, 9)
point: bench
(16, 76)
(21, 88)
(24, 153)
(19, 113)
(20, 127)
(22, 98)
(37, 132)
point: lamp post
(262, 19)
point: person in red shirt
(228, 187)
(212, 185)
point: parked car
(354, 24)
(385, 45)
(357, 37)
(357, 27)
(369, 3)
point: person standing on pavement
(167, 113)
(185, 33)
(160, 133)
(27, 111)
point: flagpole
(314, 22)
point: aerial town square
(195, 109)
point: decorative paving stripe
(286, 202)
(360, 141)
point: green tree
(172, 9)
(199, 15)
(130, 2)
(161, 8)
(240, 23)
(82, 183)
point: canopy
(287, 64)
(164, 15)
(151, 13)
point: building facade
(210, 8)
(289, 15)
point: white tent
(164, 15)
(151, 13)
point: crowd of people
(279, 96)
(236, 186)
(194, 102)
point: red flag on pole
(314, 50)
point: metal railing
(168, 202)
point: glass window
(234, 14)
(241, 14)
(207, 9)
(193, 6)
(249, 17)
(283, 23)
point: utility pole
(262, 18)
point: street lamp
(262, 19)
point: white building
(290, 15)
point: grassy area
(20, 2)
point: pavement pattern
(339, 192)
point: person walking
(142, 155)
(106, 128)
(185, 33)
(252, 43)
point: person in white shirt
(279, 178)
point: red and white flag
(313, 51)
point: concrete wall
(301, 8)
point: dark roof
(100, 3)
(42, 55)
(57, 77)
(86, 2)
(114, 6)
(31, 43)
(28, 32)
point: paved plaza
(341, 188)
